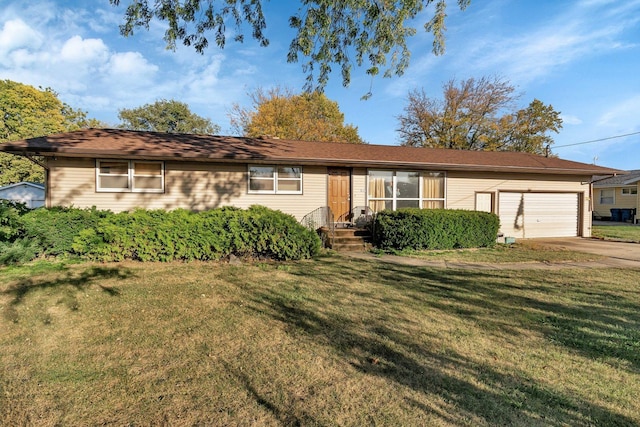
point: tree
(527, 129)
(341, 33)
(477, 115)
(28, 112)
(280, 113)
(165, 116)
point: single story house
(29, 193)
(616, 192)
(534, 196)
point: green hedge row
(434, 229)
(153, 235)
(156, 235)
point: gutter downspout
(36, 161)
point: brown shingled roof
(115, 143)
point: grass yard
(330, 341)
(628, 233)
(522, 251)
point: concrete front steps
(348, 239)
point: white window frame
(612, 197)
(631, 191)
(394, 199)
(130, 177)
(275, 179)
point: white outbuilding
(29, 193)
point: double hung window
(129, 176)
(607, 196)
(268, 179)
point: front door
(340, 193)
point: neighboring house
(29, 193)
(617, 192)
(534, 196)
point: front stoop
(348, 239)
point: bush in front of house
(152, 235)
(53, 229)
(418, 229)
(273, 234)
(14, 248)
(10, 223)
(158, 235)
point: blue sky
(581, 56)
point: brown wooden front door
(340, 193)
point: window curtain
(433, 204)
(433, 187)
(376, 190)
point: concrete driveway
(618, 252)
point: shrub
(10, 222)
(54, 229)
(18, 251)
(157, 235)
(434, 229)
(276, 235)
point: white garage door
(529, 215)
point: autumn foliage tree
(28, 112)
(168, 116)
(281, 113)
(328, 33)
(477, 115)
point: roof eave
(632, 181)
(146, 155)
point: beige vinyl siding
(620, 201)
(199, 186)
(462, 186)
(637, 205)
(359, 187)
(189, 185)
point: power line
(596, 140)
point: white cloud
(17, 34)
(77, 49)
(620, 115)
(131, 65)
(582, 30)
(568, 119)
(206, 79)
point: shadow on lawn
(70, 281)
(285, 416)
(382, 347)
(599, 324)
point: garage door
(529, 215)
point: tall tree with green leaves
(28, 112)
(328, 33)
(166, 116)
(281, 113)
(477, 114)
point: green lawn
(628, 233)
(330, 341)
(522, 251)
